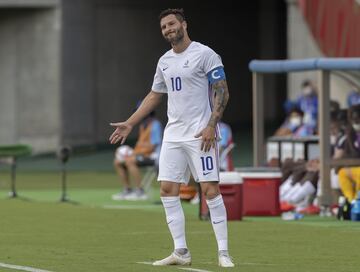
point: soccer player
(192, 76)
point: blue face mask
(295, 121)
(307, 91)
(356, 127)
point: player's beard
(177, 38)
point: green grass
(99, 234)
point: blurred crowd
(300, 190)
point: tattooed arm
(221, 97)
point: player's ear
(184, 24)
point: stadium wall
(317, 29)
(29, 76)
(70, 67)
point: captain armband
(216, 75)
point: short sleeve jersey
(184, 78)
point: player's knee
(169, 189)
(211, 192)
(117, 164)
(130, 161)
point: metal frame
(29, 3)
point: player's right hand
(121, 132)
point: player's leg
(124, 179)
(346, 183)
(122, 173)
(205, 169)
(131, 165)
(355, 175)
(307, 188)
(173, 172)
(285, 187)
(134, 170)
(218, 218)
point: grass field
(94, 233)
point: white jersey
(184, 78)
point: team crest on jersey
(186, 64)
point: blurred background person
(226, 145)
(299, 188)
(353, 97)
(145, 153)
(308, 103)
(349, 147)
(294, 124)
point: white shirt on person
(184, 78)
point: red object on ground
(312, 209)
(261, 192)
(286, 207)
(231, 190)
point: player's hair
(296, 109)
(178, 12)
(305, 83)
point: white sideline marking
(150, 263)
(194, 269)
(257, 264)
(181, 268)
(160, 232)
(131, 207)
(23, 268)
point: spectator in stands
(294, 125)
(349, 177)
(226, 144)
(353, 97)
(146, 152)
(298, 190)
(300, 179)
(308, 103)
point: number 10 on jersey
(176, 84)
(207, 163)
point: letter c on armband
(216, 74)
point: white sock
(306, 189)
(285, 187)
(175, 219)
(219, 221)
(291, 192)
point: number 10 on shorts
(207, 163)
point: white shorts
(178, 159)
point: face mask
(307, 91)
(356, 127)
(295, 121)
(332, 139)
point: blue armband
(216, 74)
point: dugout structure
(324, 66)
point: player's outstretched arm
(123, 129)
(221, 97)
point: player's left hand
(208, 138)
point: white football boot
(175, 259)
(225, 261)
